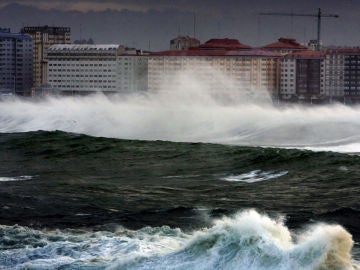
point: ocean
(183, 181)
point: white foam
(247, 240)
(191, 112)
(16, 178)
(254, 176)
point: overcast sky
(152, 23)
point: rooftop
(285, 43)
(46, 29)
(83, 47)
(223, 44)
(199, 52)
(354, 50)
(309, 54)
(15, 36)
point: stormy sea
(188, 181)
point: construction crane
(319, 15)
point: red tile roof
(200, 52)
(285, 43)
(354, 50)
(223, 44)
(309, 54)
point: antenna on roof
(194, 25)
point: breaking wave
(254, 176)
(247, 240)
(188, 117)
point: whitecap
(16, 178)
(254, 176)
(245, 241)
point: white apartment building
(90, 68)
(288, 78)
(83, 68)
(250, 71)
(132, 70)
(334, 75)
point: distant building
(314, 44)
(250, 72)
(83, 69)
(43, 37)
(346, 71)
(285, 46)
(132, 71)
(302, 77)
(183, 43)
(335, 75)
(16, 62)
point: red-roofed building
(223, 44)
(285, 46)
(302, 76)
(252, 71)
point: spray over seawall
(191, 111)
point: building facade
(252, 73)
(43, 37)
(302, 77)
(327, 76)
(16, 63)
(82, 69)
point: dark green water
(80, 184)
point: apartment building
(43, 37)
(82, 69)
(331, 75)
(302, 77)
(16, 63)
(222, 64)
(351, 71)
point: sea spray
(247, 240)
(188, 117)
(334, 242)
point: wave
(254, 176)
(247, 240)
(16, 178)
(189, 116)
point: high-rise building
(15, 62)
(43, 37)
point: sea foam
(189, 117)
(247, 240)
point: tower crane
(319, 15)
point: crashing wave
(247, 240)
